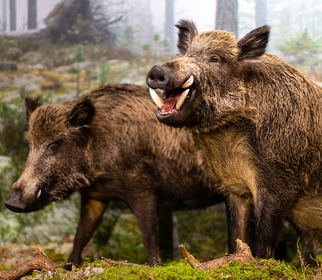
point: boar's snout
(14, 203)
(23, 199)
(157, 78)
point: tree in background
(227, 15)
(4, 15)
(12, 8)
(77, 21)
(32, 14)
(260, 12)
(169, 23)
(301, 49)
(136, 29)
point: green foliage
(196, 228)
(301, 48)
(104, 72)
(79, 57)
(79, 54)
(125, 241)
(73, 70)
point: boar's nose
(14, 204)
(157, 78)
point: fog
(284, 17)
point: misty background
(146, 18)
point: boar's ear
(187, 30)
(82, 113)
(254, 44)
(31, 105)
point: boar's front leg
(238, 213)
(92, 211)
(145, 210)
(269, 213)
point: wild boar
(108, 145)
(257, 121)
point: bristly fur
(258, 121)
(108, 145)
(187, 31)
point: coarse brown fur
(108, 145)
(258, 121)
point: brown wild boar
(108, 145)
(258, 122)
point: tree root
(242, 255)
(39, 262)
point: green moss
(181, 270)
(56, 257)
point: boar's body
(108, 145)
(259, 123)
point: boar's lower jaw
(177, 111)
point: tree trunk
(169, 23)
(12, 7)
(4, 15)
(32, 14)
(227, 15)
(260, 12)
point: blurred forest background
(59, 49)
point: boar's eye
(215, 58)
(54, 146)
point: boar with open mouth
(258, 122)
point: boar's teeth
(38, 194)
(182, 99)
(188, 83)
(156, 98)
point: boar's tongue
(171, 102)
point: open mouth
(175, 100)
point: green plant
(79, 57)
(104, 71)
(301, 48)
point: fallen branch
(242, 255)
(39, 262)
(123, 263)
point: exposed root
(243, 255)
(40, 262)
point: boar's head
(56, 165)
(205, 83)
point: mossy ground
(263, 269)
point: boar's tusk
(38, 194)
(156, 98)
(188, 83)
(182, 99)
